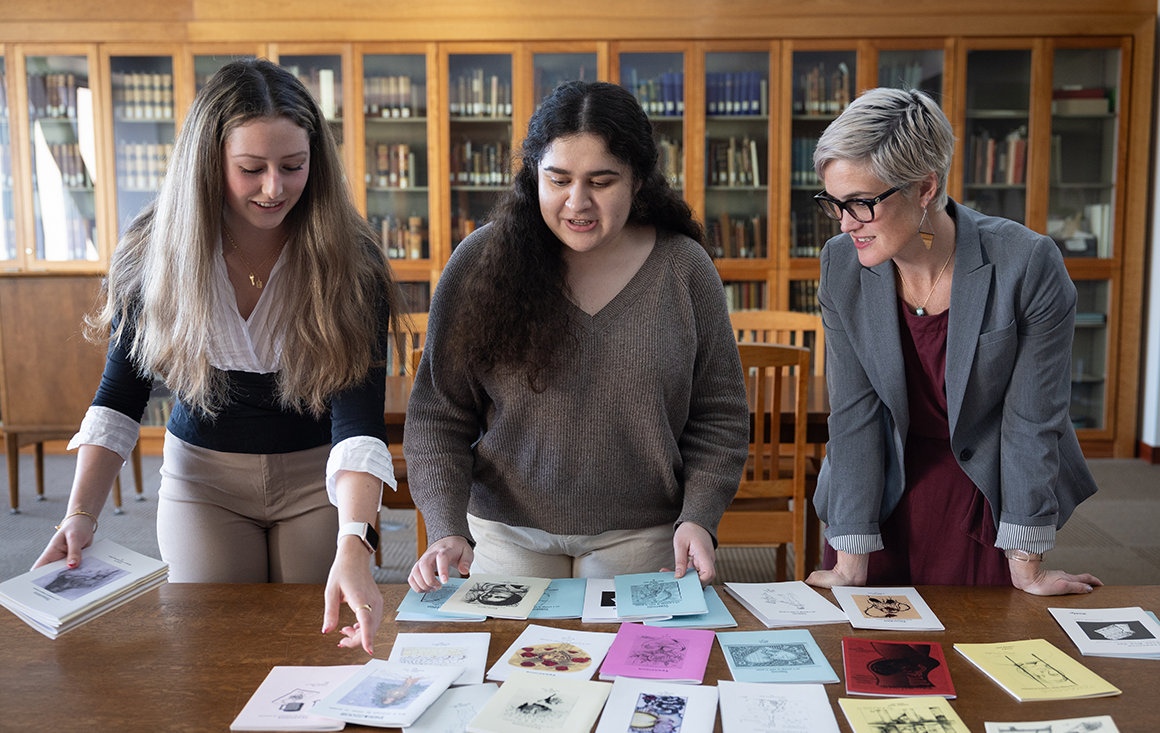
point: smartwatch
(364, 531)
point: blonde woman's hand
(351, 582)
(75, 534)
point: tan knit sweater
(648, 424)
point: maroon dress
(942, 532)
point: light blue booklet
(777, 655)
(425, 606)
(718, 616)
(564, 598)
(652, 594)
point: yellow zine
(901, 713)
(1034, 669)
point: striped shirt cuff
(856, 544)
(359, 453)
(1020, 537)
(107, 428)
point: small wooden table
(187, 657)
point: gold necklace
(922, 308)
(254, 279)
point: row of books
(462, 224)
(475, 164)
(659, 96)
(803, 297)
(475, 94)
(823, 92)
(142, 96)
(734, 162)
(809, 230)
(68, 238)
(54, 95)
(403, 238)
(543, 84)
(746, 295)
(394, 97)
(417, 296)
(802, 171)
(738, 236)
(394, 166)
(321, 83)
(142, 166)
(73, 171)
(992, 160)
(736, 93)
(1080, 100)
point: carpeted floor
(1113, 535)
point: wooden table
(187, 657)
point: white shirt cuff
(109, 429)
(359, 453)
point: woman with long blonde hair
(257, 293)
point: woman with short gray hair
(951, 459)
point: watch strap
(364, 531)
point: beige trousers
(243, 517)
(523, 551)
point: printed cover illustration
(1111, 632)
(649, 594)
(425, 606)
(496, 595)
(650, 706)
(717, 617)
(789, 603)
(886, 608)
(654, 653)
(467, 651)
(778, 655)
(1096, 724)
(895, 668)
(551, 651)
(387, 693)
(895, 715)
(529, 702)
(749, 707)
(1034, 669)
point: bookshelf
(1049, 159)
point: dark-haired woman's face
(585, 192)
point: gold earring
(927, 237)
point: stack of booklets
(600, 604)
(896, 609)
(533, 703)
(792, 603)
(384, 693)
(55, 599)
(1034, 669)
(563, 598)
(1091, 724)
(895, 668)
(425, 606)
(647, 705)
(286, 698)
(902, 714)
(1130, 633)
(648, 652)
(718, 616)
(643, 596)
(467, 651)
(751, 707)
(499, 596)
(780, 655)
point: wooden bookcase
(961, 52)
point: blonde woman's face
(267, 163)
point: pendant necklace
(254, 279)
(922, 308)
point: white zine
(287, 696)
(1094, 724)
(600, 604)
(758, 707)
(467, 650)
(454, 709)
(886, 608)
(547, 650)
(655, 705)
(792, 603)
(387, 694)
(531, 703)
(1111, 632)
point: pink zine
(651, 653)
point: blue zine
(416, 605)
(653, 594)
(718, 616)
(564, 598)
(778, 655)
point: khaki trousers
(245, 518)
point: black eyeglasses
(861, 209)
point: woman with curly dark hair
(579, 409)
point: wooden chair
(770, 508)
(48, 372)
(783, 327)
(405, 363)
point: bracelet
(67, 516)
(1022, 555)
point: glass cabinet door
(657, 80)
(480, 99)
(395, 111)
(143, 129)
(913, 69)
(7, 206)
(63, 155)
(1084, 126)
(322, 76)
(1089, 371)
(549, 70)
(206, 65)
(823, 86)
(998, 102)
(736, 153)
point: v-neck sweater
(645, 424)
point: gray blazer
(1008, 383)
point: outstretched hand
(693, 548)
(351, 581)
(1036, 580)
(430, 572)
(74, 535)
